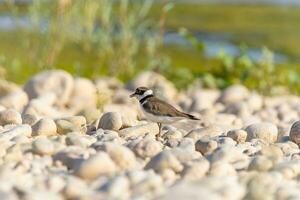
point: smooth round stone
(267, 132)
(109, 136)
(203, 99)
(295, 132)
(238, 135)
(185, 155)
(128, 113)
(29, 119)
(262, 186)
(78, 121)
(168, 176)
(117, 188)
(8, 195)
(20, 139)
(223, 141)
(139, 130)
(77, 139)
(57, 82)
(234, 93)
(75, 187)
(289, 169)
(13, 153)
(222, 169)
(15, 100)
(260, 163)
(111, 121)
(43, 146)
(273, 151)
(91, 114)
(164, 160)
(187, 144)
(10, 116)
(64, 127)
(75, 123)
(210, 131)
(229, 154)
(22, 129)
(189, 190)
(144, 183)
(121, 155)
(240, 109)
(70, 156)
(206, 146)
(173, 134)
(148, 148)
(195, 170)
(56, 183)
(96, 165)
(42, 194)
(83, 95)
(44, 126)
(288, 148)
(255, 101)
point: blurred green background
(218, 43)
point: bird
(157, 110)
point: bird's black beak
(132, 95)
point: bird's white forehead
(148, 92)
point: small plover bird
(157, 110)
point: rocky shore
(72, 138)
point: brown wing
(159, 107)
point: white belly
(161, 119)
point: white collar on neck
(147, 93)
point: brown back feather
(159, 107)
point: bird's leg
(159, 129)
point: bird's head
(141, 92)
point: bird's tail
(192, 117)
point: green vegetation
(91, 38)
(256, 25)
(87, 38)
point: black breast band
(145, 98)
